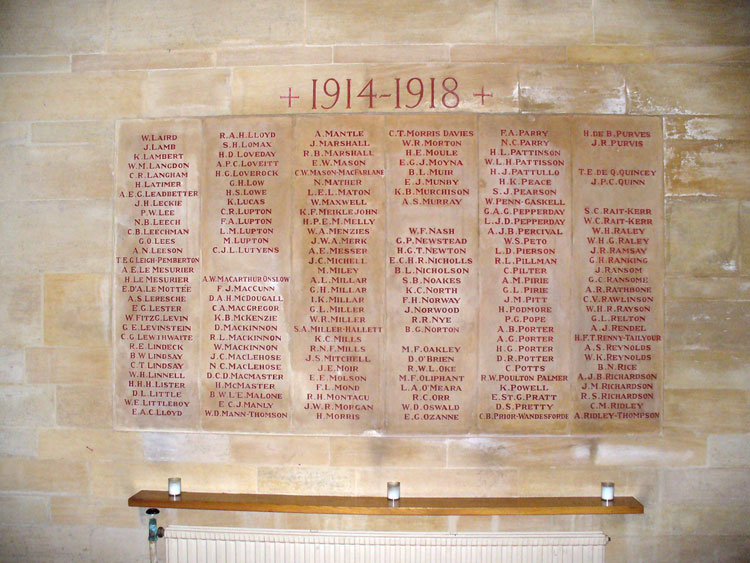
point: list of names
(401, 274)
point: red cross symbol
(289, 97)
(483, 95)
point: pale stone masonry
(70, 70)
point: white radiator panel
(192, 544)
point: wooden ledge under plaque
(430, 506)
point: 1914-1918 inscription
(408, 274)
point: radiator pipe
(154, 533)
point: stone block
(707, 369)
(76, 309)
(306, 480)
(121, 478)
(571, 89)
(490, 53)
(87, 406)
(610, 54)
(718, 325)
(56, 476)
(515, 452)
(279, 450)
(356, 522)
(251, 519)
(53, 27)
(535, 523)
(379, 452)
(57, 63)
(745, 238)
(387, 523)
(643, 484)
(688, 89)
(27, 405)
(489, 523)
(18, 441)
(715, 54)
(707, 288)
(619, 525)
(708, 168)
(187, 92)
(23, 510)
(11, 365)
(697, 410)
(429, 21)
(78, 238)
(169, 446)
(20, 308)
(650, 451)
(390, 53)
(82, 96)
(13, 133)
(729, 450)
(142, 61)
(68, 365)
(86, 444)
(98, 511)
(690, 22)
(213, 518)
(706, 487)
(47, 543)
(56, 172)
(554, 22)
(707, 128)
(437, 482)
(701, 520)
(274, 55)
(120, 545)
(95, 132)
(191, 24)
(702, 237)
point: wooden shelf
(380, 505)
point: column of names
(339, 228)
(617, 286)
(157, 273)
(432, 274)
(525, 237)
(246, 275)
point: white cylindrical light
(394, 490)
(175, 486)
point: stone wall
(70, 69)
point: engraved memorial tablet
(440, 273)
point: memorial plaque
(157, 274)
(403, 274)
(245, 228)
(432, 293)
(618, 273)
(525, 263)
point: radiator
(189, 544)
